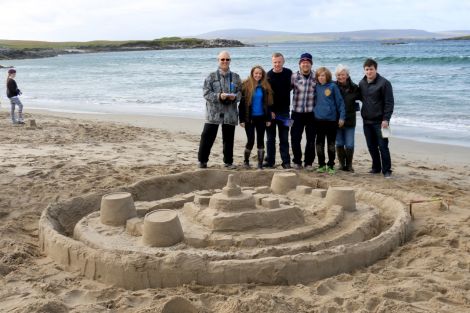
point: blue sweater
(257, 108)
(328, 102)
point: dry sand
(74, 154)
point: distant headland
(257, 36)
(20, 49)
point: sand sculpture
(215, 227)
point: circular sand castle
(215, 227)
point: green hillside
(23, 49)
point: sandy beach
(74, 154)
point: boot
(246, 162)
(349, 158)
(260, 158)
(341, 158)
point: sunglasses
(228, 60)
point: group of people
(323, 109)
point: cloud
(148, 19)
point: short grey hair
(341, 68)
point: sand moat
(214, 227)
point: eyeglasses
(223, 60)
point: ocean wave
(430, 60)
(456, 125)
(427, 60)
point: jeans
(378, 148)
(326, 130)
(15, 101)
(345, 137)
(303, 121)
(209, 133)
(258, 124)
(283, 141)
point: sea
(430, 79)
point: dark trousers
(209, 133)
(258, 125)
(326, 130)
(283, 142)
(378, 148)
(303, 121)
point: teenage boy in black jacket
(377, 108)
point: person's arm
(292, 81)
(208, 91)
(268, 114)
(388, 104)
(242, 110)
(238, 88)
(340, 107)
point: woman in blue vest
(254, 112)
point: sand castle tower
(237, 210)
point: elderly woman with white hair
(345, 135)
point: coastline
(24, 49)
(434, 153)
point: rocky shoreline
(9, 53)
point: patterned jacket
(304, 92)
(222, 111)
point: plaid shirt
(304, 92)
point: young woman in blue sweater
(329, 114)
(254, 112)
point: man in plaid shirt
(303, 86)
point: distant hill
(459, 38)
(22, 49)
(265, 36)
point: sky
(62, 20)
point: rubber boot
(341, 158)
(246, 162)
(260, 158)
(349, 158)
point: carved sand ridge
(218, 227)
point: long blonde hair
(250, 84)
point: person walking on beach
(303, 86)
(345, 135)
(329, 115)
(377, 108)
(13, 94)
(255, 112)
(279, 78)
(222, 91)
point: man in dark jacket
(280, 79)
(377, 109)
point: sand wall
(138, 271)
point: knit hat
(11, 71)
(306, 57)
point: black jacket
(377, 100)
(350, 92)
(12, 88)
(281, 86)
